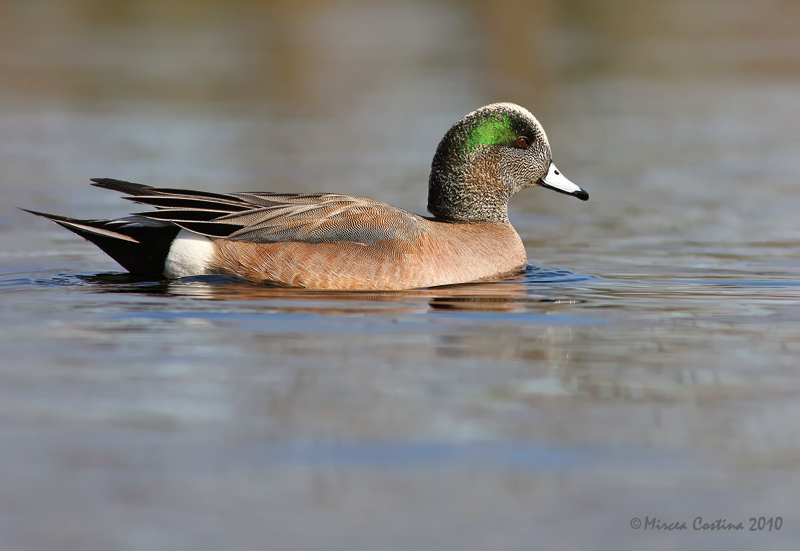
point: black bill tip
(582, 195)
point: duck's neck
(466, 197)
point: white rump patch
(190, 255)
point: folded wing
(272, 217)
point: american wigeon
(329, 241)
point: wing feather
(263, 217)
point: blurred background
(683, 105)
(655, 376)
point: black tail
(122, 186)
(139, 245)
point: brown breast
(437, 253)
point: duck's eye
(522, 141)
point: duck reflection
(513, 294)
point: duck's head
(487, 157)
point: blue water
(646, 364)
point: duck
(331, 241)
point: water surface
(644, 366)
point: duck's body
(437, 254)
(328, 241)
